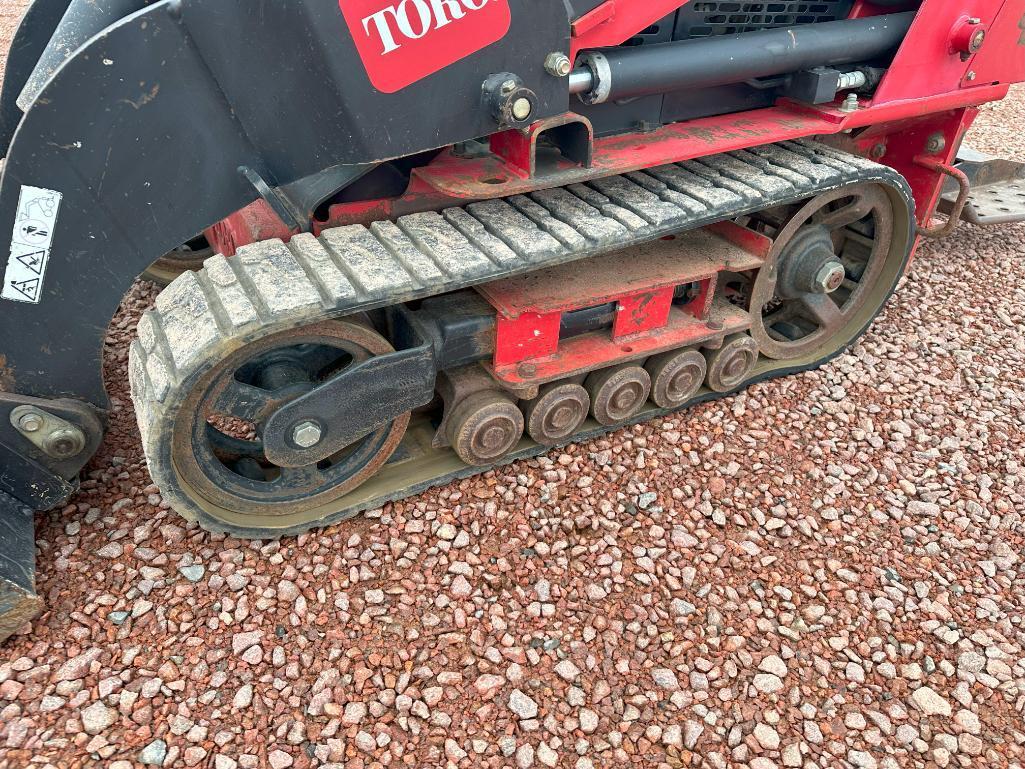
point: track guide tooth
(272, 287)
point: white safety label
(31, 243)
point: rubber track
(270, 286)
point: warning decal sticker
(30, 246)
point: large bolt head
(307, 434)
(977, 41)
(64, 443)
(522, 108)
(829, 278)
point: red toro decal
(403, 41)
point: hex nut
(307, 434)
(557, 64)
(829, 278)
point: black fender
(33, 35)
(180, 114)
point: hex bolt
(829, 278)
(522, 108)
(850, 104)
(557, 64)
(64, 443)
(307, 434)
(30, 423)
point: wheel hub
(809, 265)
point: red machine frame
(923, 101)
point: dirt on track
(823, 571)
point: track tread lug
(371, 267)
(540, 216)
(769, 169)
(474, 230)
(608, 208)
(581, 215)
(506, 224)
(781, 157)
(827, 156)
(276, 277)
(649, 206)
(680, 178)
(687, 204)
(187, 324)
(425, 269)
(735, 170)
(239, 308)
(446, 245)
(334, 285)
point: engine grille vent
(707, 19)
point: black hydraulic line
(629, 72)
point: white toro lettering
(414, 19)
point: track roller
(557, 412)
(485, 427)
(618, 393)
(676, 377)
(731, 364)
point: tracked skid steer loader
(407, 240)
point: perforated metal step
(1002, 203)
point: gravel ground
(823, 571)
